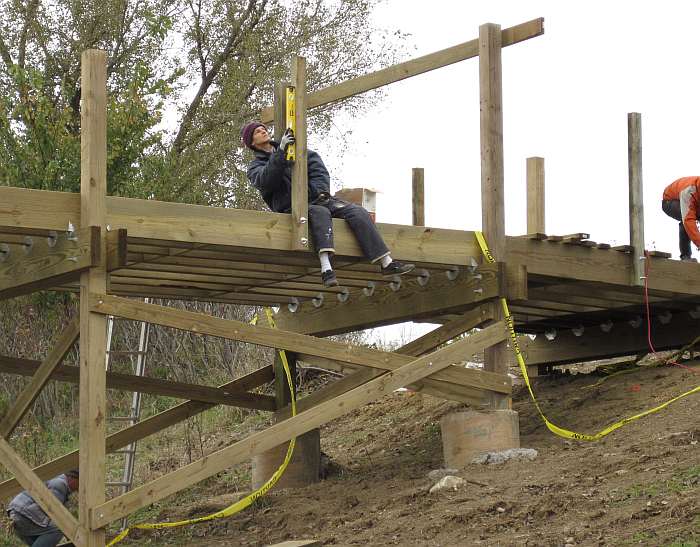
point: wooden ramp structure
(581, 299)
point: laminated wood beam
(666, 278)
(143, 429)
(143, 384)
(414, 67)
(281, 432)
(236, 228)
(278, 338)
(385, 306)
(41, 376)
(623, 339)
(47, 262)
(41, 494)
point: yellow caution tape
(562, 432)
(249, 499)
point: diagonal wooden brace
(281, 432)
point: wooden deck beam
(44, 262)
(385, 306)
(413, 371)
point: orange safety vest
(687, 191)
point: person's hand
(286, 140)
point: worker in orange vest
(681, 201)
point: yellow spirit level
(291, 121)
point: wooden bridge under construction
(581, 299)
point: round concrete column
(303, 469)
(469, 433)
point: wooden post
(282, 395)
(636, 199)
(535, 196)
(300, 189)
(492, 206)
(93, 192)
(418, 180)
(280, 109)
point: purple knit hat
(247, 133)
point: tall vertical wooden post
(535, 196)
(280, 108)
(418, 196)
(492, 206)
(300, 189)
(636, 195)
(93, 191)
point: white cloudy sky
(566, 98)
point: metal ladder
(134, 414)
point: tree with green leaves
(183, 77)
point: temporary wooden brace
(636, 195)
(300, 186)
(142, 384)
(418, 196)
(45, 262)
(42, 375)
(420, 65)
(492, 203)
(535, 196)
(417, 348)
(144, 428)
(279, 433)
(277, 338)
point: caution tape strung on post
(247, 501)
(562, 432)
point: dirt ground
(638, 486)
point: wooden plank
(200, 225)
(623, 248)
(458, 388)
(385, 306)
(420, 65)
(48, 262)
(636, 196)
(659, 254)
(43, 372)
(144, 428)
(418, 196)
(492, 200)
(300, 181)
(444, 333)
(93, 212)
(292, 427)
(117, 249)
(41, 494)
(143, 384)
(278, 338)
(535, 195)
(602, 266)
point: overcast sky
(566, 97)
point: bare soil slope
(638, 486)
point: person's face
(260, 136)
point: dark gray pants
(35, 535)
(672, 207)
(321, 215)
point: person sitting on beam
(271, 173)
